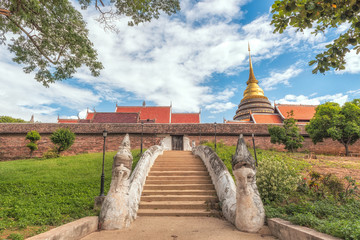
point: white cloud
(21, 96)
(306, 100)
(352, 63)
(220, 107)
(168, 59)
(226, 94)
(280, 77)
(208, 9)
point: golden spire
(253, 89)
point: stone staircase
(178, 184)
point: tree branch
(32, 40)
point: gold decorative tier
(254, 100)
(252, 88)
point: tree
(63, 138)
(289, 134)
(33, 136)
(322, 15)
(49, 37)
(7, 119)
(341, 124)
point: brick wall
(89, 137)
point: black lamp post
(102, 174)
(142, 133)
(215, 136)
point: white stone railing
(221, 178)
(138, 177)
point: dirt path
(179, 228)
(338, 165)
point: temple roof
(301, 112)
(67, 120)
(185, 118)
(266, 118)
(159, 114)
(111, 117)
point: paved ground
(179, 228)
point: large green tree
(341, 124)
(322, 15)
(289, 134)
(50, 38)
(8, 119)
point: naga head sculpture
(242, 157)
(125, 144)
(123, 156)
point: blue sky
(196, 59)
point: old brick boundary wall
(89, 137)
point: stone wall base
(70, 231)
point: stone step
(178, 156)
(177, 153)
(201, 168)
(177, 192)
(179, 198)
(177, 173)
(191, 162)
(166, 178)
(179, 187)
(174, 205)
(177, 213)
(173, 165)
(160, 182)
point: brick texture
(89, 137)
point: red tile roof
(159, 114)
(266, 118)
(242, 121)
(101, 117)
(185, 118)
(301, 112)
(89, 115)
(67, 120)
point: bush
(276, 179)
(33, 136)
(32, 146)
(63, 138)
(15, 236)
(51, 153)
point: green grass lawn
(50, 192)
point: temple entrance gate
(177, 142)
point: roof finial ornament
(251, 72)
(144, 103)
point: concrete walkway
(179, 228)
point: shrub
(63, 138)
(51, 153)
(32, 146)
(276, 179)
(289, 134)
(15, 236)
(33, 136)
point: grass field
(38, 194)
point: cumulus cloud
(21, 96)
(311, 100)
(352, 63)
(169, 59)
(220, 107)
(280, 77)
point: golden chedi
(254, 100)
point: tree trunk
(346, 149)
